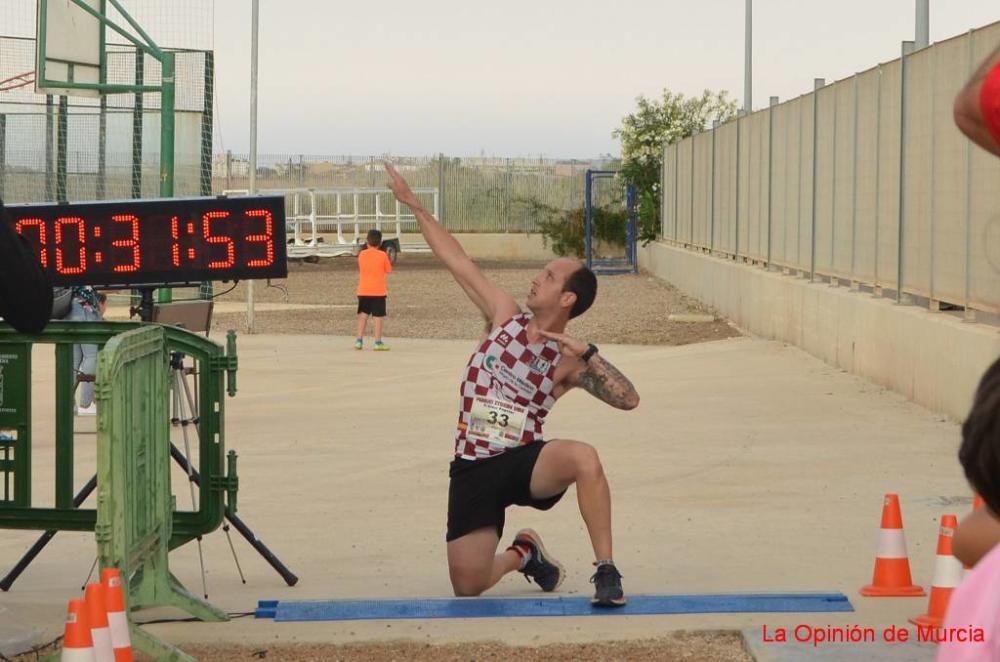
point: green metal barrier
(216, 366)
(134, 502)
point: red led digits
(218, 239)
(60, 266)
(43, 251)
(156, 242)
(132, 242)
(265, 238)
(175, 251)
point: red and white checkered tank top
(506, 393)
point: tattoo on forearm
(607, 383)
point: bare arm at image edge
(977, 106)
(975, 536)
(25, 289)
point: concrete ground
(748, 466)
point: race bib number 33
(497, 421)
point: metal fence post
(854, 195)
(834, 280)
(441, 188)
(907, 49)
(799, 214)
(711, 221)
(877, 289)
(770, 173)
(970, 314)
(691, 231)
(818, 83)
(933, 303)
(739, 147)
(677, 187)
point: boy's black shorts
(480, 490)
(374, 306)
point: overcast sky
(527, 77)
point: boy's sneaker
(545, 570)
(608, 583)
(380, 347)
(358, 344)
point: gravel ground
(705, 646)
(425, 302)
(688, 646)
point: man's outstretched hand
(400, 188)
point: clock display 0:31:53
(157, 241)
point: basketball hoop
(18, 81)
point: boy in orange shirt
(373, 265)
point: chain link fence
(74, 148)
(475, 194)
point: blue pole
(631, 235)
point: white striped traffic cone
(78, 646)
(117, 618)
(892, 566)
(97, 616)
(947, 576)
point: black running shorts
(481, 490)
(374, 306)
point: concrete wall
(932, 358)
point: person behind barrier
(373, 265)
(511, 382)
(25, 289)
(87, 305)
(976, 602)
(977, 106)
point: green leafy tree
(643, 134)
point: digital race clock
(169, 241)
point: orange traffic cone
(892, 567)
(97, 616)
(947, 576)
(77, 643)
(117, 617)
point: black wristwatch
(591, 350)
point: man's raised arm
(494, 302)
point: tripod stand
(179, 387)
(183, 414)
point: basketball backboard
(69, 48)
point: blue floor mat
(354, 610)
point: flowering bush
(643, 134)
